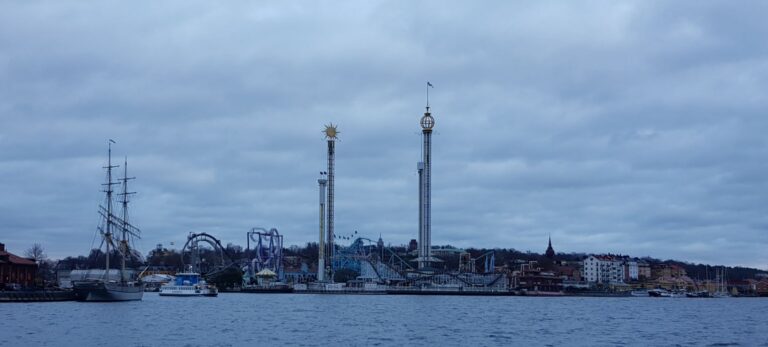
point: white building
(604, 269)
(631, 270)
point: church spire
(550, 253)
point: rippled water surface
(285, 319)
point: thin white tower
(425, 199)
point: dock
(37, 296)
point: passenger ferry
(188, 284)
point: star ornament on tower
(331, 132)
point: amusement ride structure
(192, 255)
(205, 254)
(268, 253)
(331, 133)
(424, 168)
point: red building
(16, 270)
(413, 245)
(762, 287)
(533, 280)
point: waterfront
(280, 319)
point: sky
(612, 126)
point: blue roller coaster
(372, 261)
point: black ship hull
(107, 291)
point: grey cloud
(632, 127)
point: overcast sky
(626, 127)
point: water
(355, 320)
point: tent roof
(266, 272)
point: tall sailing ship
(116, 234)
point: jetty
(36, 296)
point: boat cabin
(187, 279)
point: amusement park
(338, 263)
(362, 265)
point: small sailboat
(698, 294)
(722, 285)
(116, 233)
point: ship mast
(109, 184)
(124, 221)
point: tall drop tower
(330, 134)
(321, 249)
(425, 191)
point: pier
(37, 296)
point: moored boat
(699, 294)
(115, 234)
(722, 284)
(659, 293)
(188, 284)
(100, 290)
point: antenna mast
(429, 85)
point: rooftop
(10, 258)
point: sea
(239, 319)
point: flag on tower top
(430, 84)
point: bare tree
(37, 253)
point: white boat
(640, 293)
(188, 284)
(722, 285)
(680, 294)
(663, 293)
(698, 294)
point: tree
(235, 251)
(165, 258)
(44, 267)
(37, 253)
(46, 270)
(228, 278)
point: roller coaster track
(390, 267)
(226, 260)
